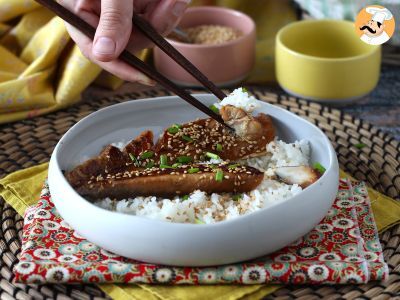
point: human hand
(114, 33)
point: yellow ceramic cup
(325, 60)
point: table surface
(381, 108)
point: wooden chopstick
(148, 30)
(130, 59)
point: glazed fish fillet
(194, 139)
(110, 159)
(169, 182)
(170, 167)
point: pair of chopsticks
(138, 64)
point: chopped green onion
(173, 129)
(219, 147)
(214, 108)
(193, 170)
(237, 197)
(185, 197)
(175, 165)
(360, 145)
(219, 175)
(163, 159)
(212, 166)
(187, 138)
(150, 164)
(212, 155)
(147, 154)
(183, 159)
(165, 167)
(134, 159)
(198, 221)
(320, 168)
(244, 90)
(233, 166)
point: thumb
(114, 29)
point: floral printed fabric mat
(343, 248)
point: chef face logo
(373, 28)
(375, 25)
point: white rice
(240, 98)
(281, 154)
(203, 208)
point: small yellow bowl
(325, 60)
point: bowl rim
(231, 11)
(278, 39)
(55, 169)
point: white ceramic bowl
(154, 241)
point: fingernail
(143, 79)
(179, 7)
(147, 82)
(104, 45)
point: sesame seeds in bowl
(208, 34)
(217, 55)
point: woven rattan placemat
(27, 143)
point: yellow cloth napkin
(22, 188)
(41, 69)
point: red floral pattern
(343, 248)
